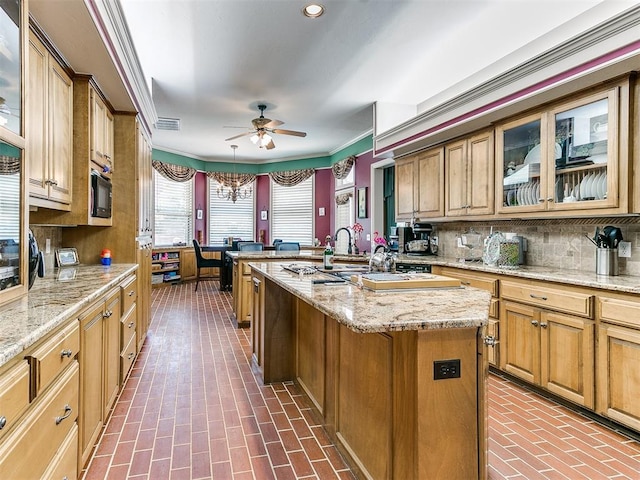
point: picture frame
(66, 257)
(199, 214)
(263, 215)
(362, 202)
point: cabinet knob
(3, 421)
(550, 199)
(534, 323)
(67, 412)
(543, 325)
(131, 324)
(130, 356)
(107, 314)
(132, 293)
(490, 341)
(66, 353)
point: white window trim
(313, 209)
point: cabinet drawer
(471, 280)
(246, 269)
(14, 395)
(129, 293)
(559, 298)
(619, 310)
(128, 326)
(65, 463)
(28, 450)
(53, 357)
(127, 357)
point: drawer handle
(67, 413)
(131, 324)
(132, 293)
(539, 297)
(66, 353)
(465, 283)
(534, 323)
(3, 421)
(130, 356)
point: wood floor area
(192, 409)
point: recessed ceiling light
(313, 10)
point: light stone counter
(301, 255)
(365, 311)
(53, 300)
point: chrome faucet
(335, 237)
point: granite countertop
(52, 301)
(302, 254)
(366, 311)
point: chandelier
(231, 188)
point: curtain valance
(9, 165)
(343, 198)
(289, 178)
(229, 179)
(342, 168)
(177, 173)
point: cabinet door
(520, 353)
(257, 326)
(60, 134)
(112, 347)
(188, 264)
(456, 173)
(480, 178)
(91, 379)
(429, 188)
(108, 138)
(143, 300)
(246, 300)
(618, 378)
(567, 357)
(36, 119)
(405, 175)
(98, 118)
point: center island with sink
(397, 377)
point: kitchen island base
(376, 393)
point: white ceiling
(211, 62)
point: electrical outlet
(446, 369)
(368, 237)
(624, 249)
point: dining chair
(287, 246)
(202, 262)
(250, 246)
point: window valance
(289, 178)
(229, 179)
(342, 168)
(9, 165)
(177, 173)
(343, 198)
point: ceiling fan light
(266, 138)
(313, 10)
(255, 139)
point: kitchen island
(398, 378)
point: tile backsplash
(553, 243)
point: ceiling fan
(262, 127)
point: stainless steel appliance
(100, 195)
(425, 243)
(405, 235)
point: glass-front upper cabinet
(565, 158)
(10, 66)
(520, 148)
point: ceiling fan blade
(232, 126)
(270, 145)
(289, 132)
(238, 136)
(273, 123)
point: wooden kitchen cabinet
(101, 132)
(99, 367)
(14, 394)
(420, 185)
(188, 264)
(49, 129)
(552, 350)
(571, 157)
(469, 177)
(618, 383)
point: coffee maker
(425, 242)
(405, 235)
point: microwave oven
(100, 196)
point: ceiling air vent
(165, 123)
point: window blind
(173, 211)
(228, 219)
(292, 212)
(10, 207)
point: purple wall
(324, 198)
